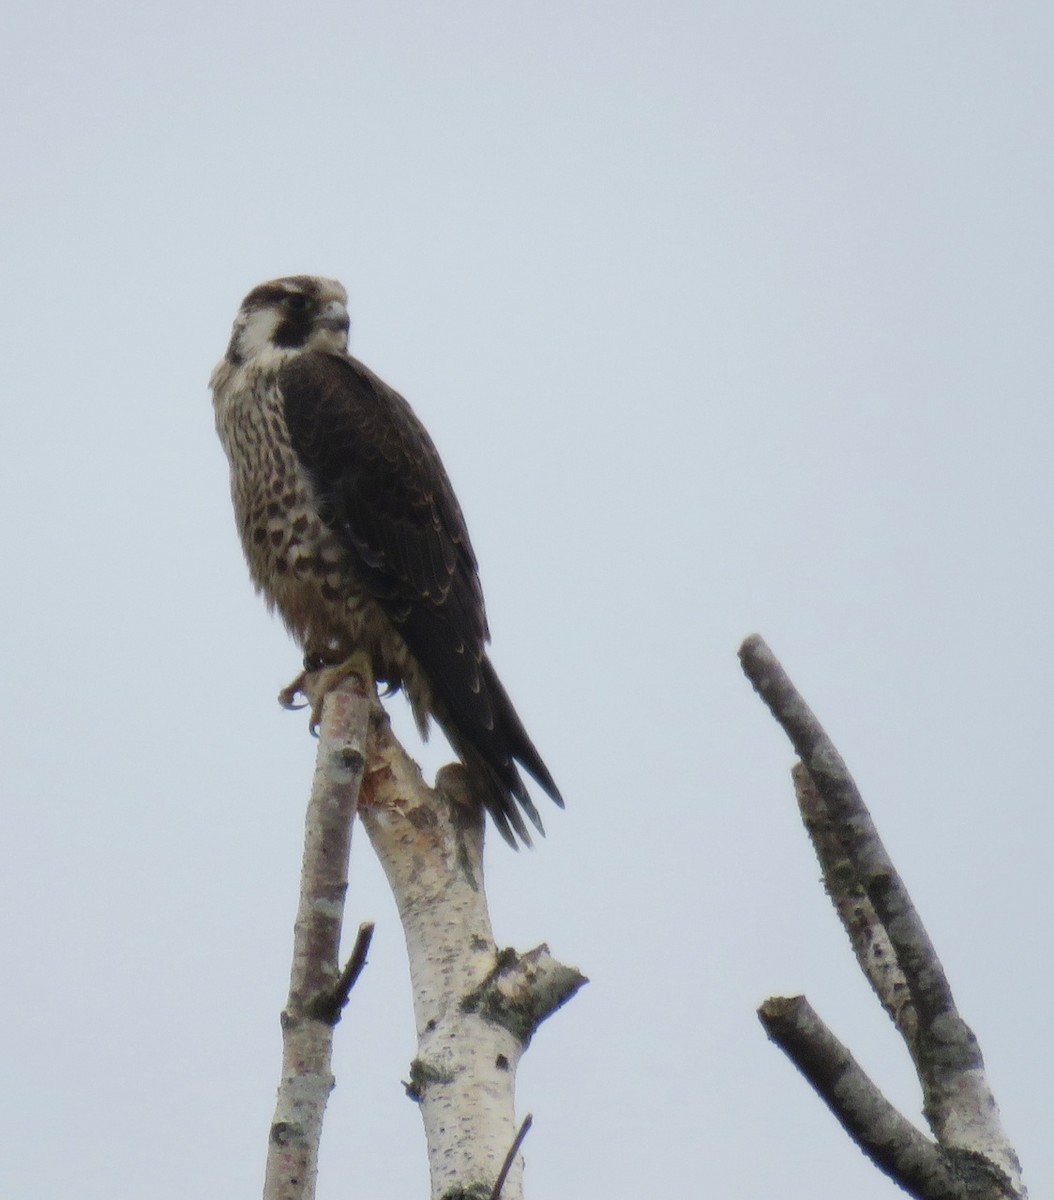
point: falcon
(352, 531)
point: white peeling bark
(475, 1007)
(317, 987)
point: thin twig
(331, 1004)
(514, 1149)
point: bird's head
(300, 312)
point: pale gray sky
(726, 317)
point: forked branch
(970, 1155)
(476, 1008)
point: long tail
(491, 753)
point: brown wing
(383, 490)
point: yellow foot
(315, 685)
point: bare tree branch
(330, 1005)
(316, 983)
(475, 1007)
(883, 925)
(867, 935)
(892, 1143)
(510, 1158)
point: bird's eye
(296, 302)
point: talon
(287, 697)
(323, 679)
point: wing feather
(383, 486)
(383, 490)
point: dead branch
(885, 1136)
(317, 987)
(510, 1158)
(330, 1005)
(971, 1155)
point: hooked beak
(334, 316)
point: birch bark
(317, 987)
(475, 1007)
